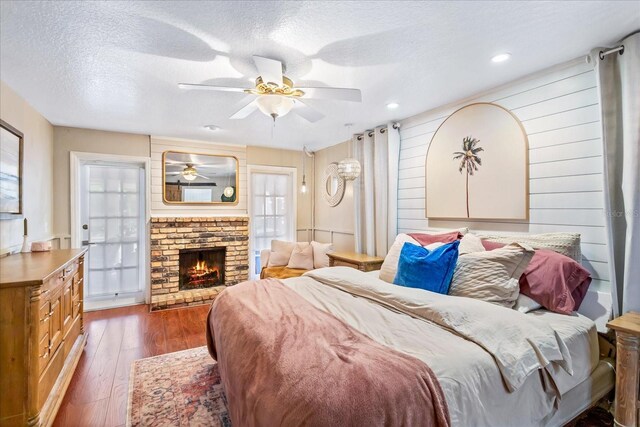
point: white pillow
(470, 243)
(320, 251)
(280, 253)
(524, 304)
(302, 256)
(491, 276)
(390, 264)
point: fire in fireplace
(201, 268)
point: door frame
(76, 159)
(274, 170)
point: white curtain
(376, 190)
(619, 86)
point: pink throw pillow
(427, 239)
(553, 280)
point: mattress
(474, 389)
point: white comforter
(497, 367)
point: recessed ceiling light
(501, 57)
(212, 128)
(393, 105)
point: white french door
(112, 224)
(272, 209)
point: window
(196, 194)
(272, 211)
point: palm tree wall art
(476, 167)
(469, 161)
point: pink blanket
(284, 362)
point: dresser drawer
(43, 319)
(77, 283)
(44, 354)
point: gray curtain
(375, 192)
(619, 86)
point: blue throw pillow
(421, 268)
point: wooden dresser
(41, 333)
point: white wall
(560, 113)
(333, 224)
(37, 171)
(159, 208)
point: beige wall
(289, 158)
(37, 171)
(333, 224)
(68, 139)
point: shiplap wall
(560, 113)
(159, 208)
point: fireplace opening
(201, 268)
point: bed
(494, 366)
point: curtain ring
(370, 134)
(621, 51)
(359, 137)
(383, 130)
(601, 55)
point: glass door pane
(112, 209)
(272, 212)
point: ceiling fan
(276, 94)
(189, 172)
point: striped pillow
(491, 276)
(567, 244)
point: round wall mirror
(333, 185)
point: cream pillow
(390, 264)
(280, 253)
(491, 276)
(470, 243)
(524, 304)
(567, 244)
(320, 251)
(302, 256)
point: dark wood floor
(97, 395)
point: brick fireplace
(214, 252)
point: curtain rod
(604, 53)
(396, 125)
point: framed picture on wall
(477, 166)
(11, 160)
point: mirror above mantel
(196, 178)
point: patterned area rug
(177, 389)
(184, 389)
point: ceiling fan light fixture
(189, 173)
(275, 105)
(349, 169)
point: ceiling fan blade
(306, 112)
(269, 69)
(202, 176)
(173, 173)
(210, 87)
(245, 111)
(342, 94)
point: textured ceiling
(116, 65)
